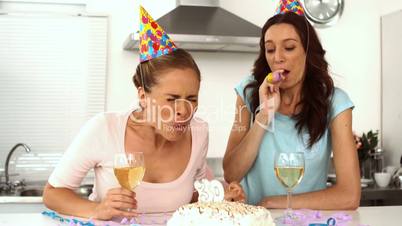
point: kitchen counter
(20, 199)
(17, 204)
(373, 216)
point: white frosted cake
(221, 213)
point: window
(52, 79)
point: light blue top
(260, 181)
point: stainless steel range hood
(204, 26)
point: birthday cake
(221, 213)
(211, 209)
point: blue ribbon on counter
(330, 222)
(76, 222)
(71, 221)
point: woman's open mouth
(285, 72)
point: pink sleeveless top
(94, 148)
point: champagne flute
(289, 169)
(129, 169)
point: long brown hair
(317, 88)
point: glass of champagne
(129, 169)
(289, 169)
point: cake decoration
(209, 191)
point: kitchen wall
(391, 80)
(389, 6)
(353, 51)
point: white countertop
(21, 199)
(372, 216)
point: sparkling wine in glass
(129, 169)
(289, 169)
